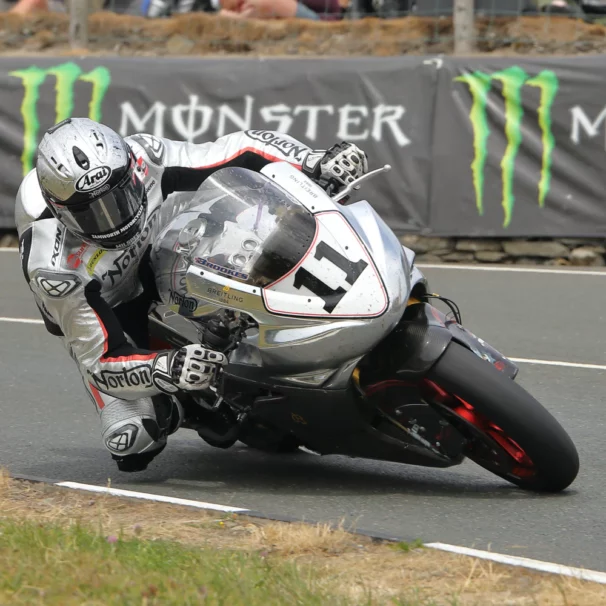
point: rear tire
(555, 461)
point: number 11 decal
(332, 297)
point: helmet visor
(108, 217)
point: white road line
(556, 363)
(7, 249)
(528, 270)
(21, 320)
(577, 573)
(568, 571)
(117, 492)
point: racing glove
(190, 368)
(336, 167)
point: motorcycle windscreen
(336, 278)
(245, 227)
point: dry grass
(210, 35)
(345, 565)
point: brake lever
(214, 382)
(355, 185)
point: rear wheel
(507, 431)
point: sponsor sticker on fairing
(224, 295)
(184, 302)
(234, 273)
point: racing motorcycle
(333, 342)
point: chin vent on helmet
(81, 158)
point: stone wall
(564, 251)
(430, 249)
(8, 239)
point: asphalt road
(48, 428)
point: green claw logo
(513, 79)
(66, 76)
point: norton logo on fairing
(182, 301)
(94, 178)
(131, 377)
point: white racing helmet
(87, 176)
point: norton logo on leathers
(94, 178)
(123, 262)
(121, 379)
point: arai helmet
(88, 179)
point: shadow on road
(194, 471)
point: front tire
(508, 431)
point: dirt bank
(203, 34)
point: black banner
(376, 103)
(495, 147)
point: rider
(86, 216)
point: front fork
(417, 343)
(426, 332)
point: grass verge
(62, 547)
(55, 565)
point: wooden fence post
(78, 23)
(463, 24)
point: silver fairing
(309, 350)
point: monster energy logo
(513, 79)
(66, 76)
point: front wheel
(507, 431)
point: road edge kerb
(274, 517)
(583, 574)
(538, 565)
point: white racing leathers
(90, 297)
